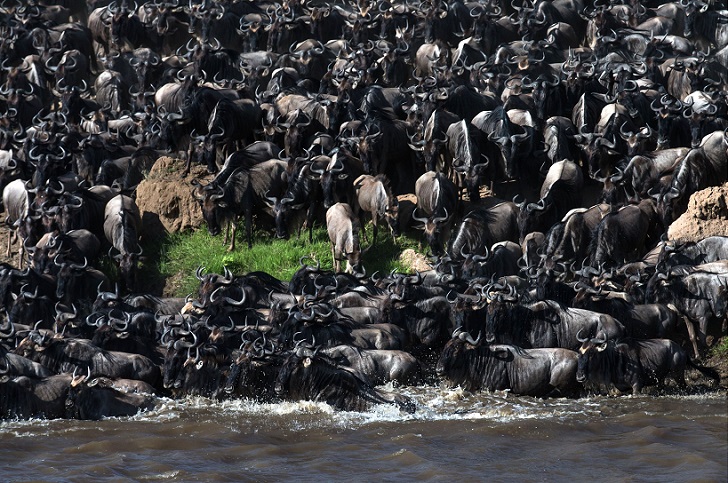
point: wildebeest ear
(4, 379)
(222, 204)
(502, 353)
(101, 382)
(307, 362)
(601, 346)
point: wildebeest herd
(303, 106)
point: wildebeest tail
(706, 371)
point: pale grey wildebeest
(375, 196)
(343, 228)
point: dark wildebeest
(703, 166)
(122, 227)
(93, 399)
(307, 375)
(377, 366)
(545, 324)
(468, 161)
(631, 364)
(483, 227)
(622, 234)
(437, 199)
(239, 190)
(66, 355)
(561, 191)
(28, 397)
(701, 296)
(531, 372)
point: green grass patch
(182, 253)
(721, 349)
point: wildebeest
(622, 234)
(631, 364)
(483, 227)
(93, 399)
(560, 192)
(26, 397)
(66, 355)
(475, 365)
(306, 375)
(254, 368)
(703, 166)
(16, 202)
(437, 199)
(375, 197)
(545, 324)
(122, 227)
(468, 161)
(238, 190)
(701, 296)
(343, 228)
(377, 366)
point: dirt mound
(165, 197)
(416, 261)
(707, 215)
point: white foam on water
(167, 475)
(432, 404)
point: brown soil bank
(165, 198)
(707, 215)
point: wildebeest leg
(363, 224)
(188, 164)
(309, 221)
(703, 332)
(227, 234)
(11, 239)
(691, 334)
(678, 374)
(375, 229)
(333, 256)
(249, 225)
(636, 387)
(234, 231)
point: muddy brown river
(493, 437)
